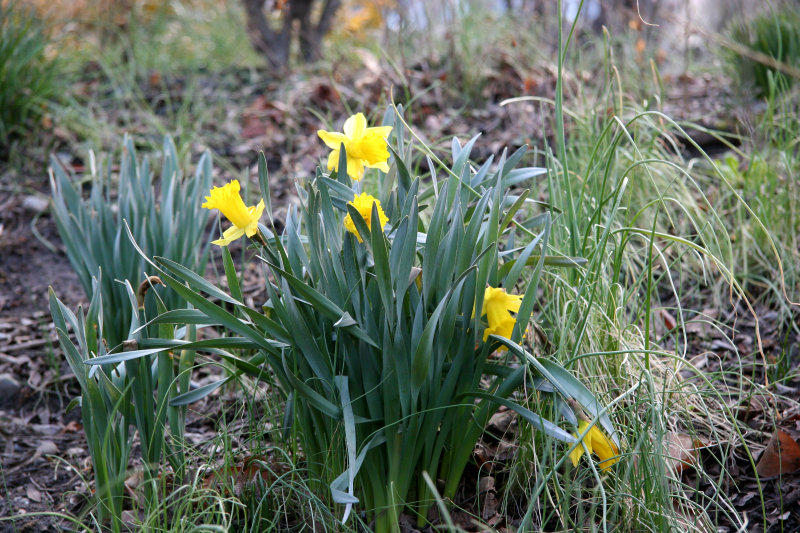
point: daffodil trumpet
(363, 203)
(593, 440)
(498, 306)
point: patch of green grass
(767, 180)
(766, 226)
(32, 78)
(249, 477)
(655, 242)
(178, 71)
(204, 36)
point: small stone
(75, 451)
(47, 447)
(35, 204)
(130, 520)
(46, 429)
(34, 494)
(9, 389)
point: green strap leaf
(197, 394)
(567, 385)
(422, 355)
(349, 497)
(383, 273)
(313, 397)
(320, 302)
(263, 182)
(582, 395)
(532, 418)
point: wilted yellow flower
(363, 203)
(365, 147)
(230, 203)
(596, 442)
(498, 306)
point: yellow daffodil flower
(498, 306)
(503, 328)
(363, 203)
(230, 203)
(597, 443)
(365, 147)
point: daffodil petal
(510, 302)
(381, 131)
(363, 203)
(497, 306)
(502, 329)
(255, 214)
(596, 442)
(575, 455)
(355, 168)
(219, 197)
(355, 126)
(604, 448)
(498, 299)
(366, 147)
(332, 139)
(605, 464)
(371, 148)
(350, 226)
(333, 160)
(496, 314)
(383, 166)
(506, 327)
(229, 235)
(229, 202)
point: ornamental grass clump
(386, 317)
(768, 52)
(31, 78)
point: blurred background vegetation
(76, 72)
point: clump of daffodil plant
(395, 323)
(154, 209)
(118, 393)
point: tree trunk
(274, 45)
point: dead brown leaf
(33, 494)
(667, 318)
(503, 420)
(682, 450)
(488, 494)
(781, 456)
(46, 447)
(756, 405)
(71, 427)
